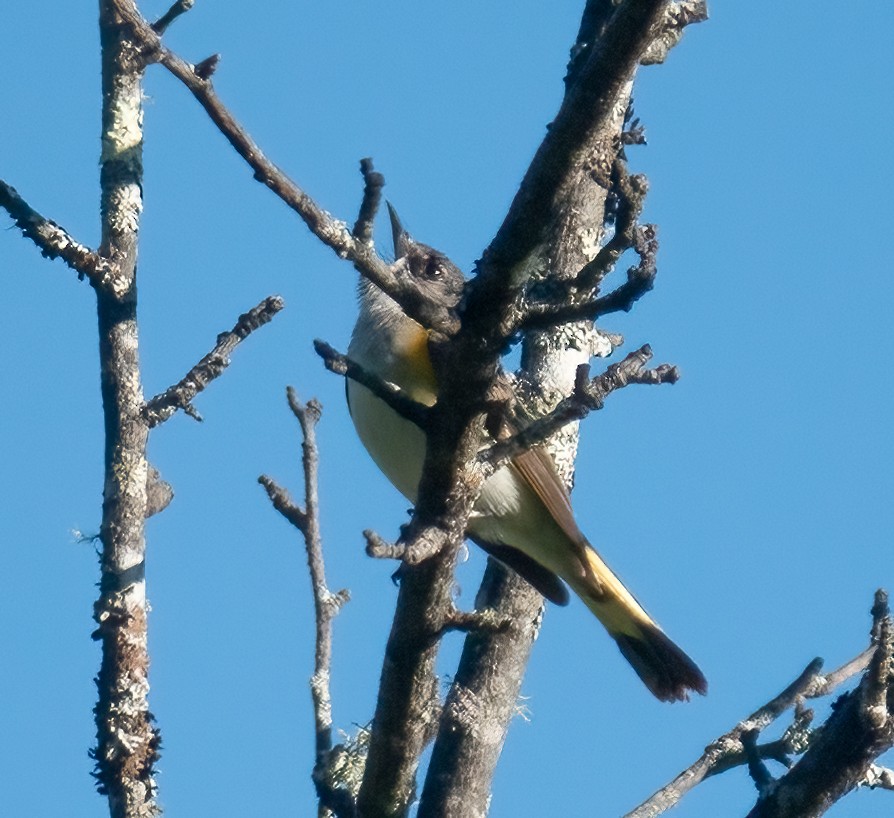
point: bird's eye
(432, 268)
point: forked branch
(333, 797)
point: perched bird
(523, 515)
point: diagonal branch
(341, 364)
(52, 240)
(181, 394)
(730, 750)
(334, 233)
(178, 8)
(588, 395)
(611, 59)
(859, 730)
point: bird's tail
(664, 668)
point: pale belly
(507, 510)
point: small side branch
(739, 746)
(326, 603)
(588, 395)
(372, 198)
(859, 730)
(52, 240)
(342, 365)
(640, 280)
(181, 394)
(415, 545)
(180, 7)
(630, 196)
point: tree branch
(392, 279)
(859, 730)
(52, 240)
(332, 796)
(342, 365)
(730, 750)
(179, 7)
(640, 280)
(372, 198)
(588, 395)
(556, 216)
(126, 740)
(181, 394)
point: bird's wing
(537, 469)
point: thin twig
(640, 280)
(630, 192)
(588, 395)
(52, 240)
(841, 753)
(326, 603)
(372, 198)
(181, 394)
(179, 7)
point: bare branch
(605, 67)
(588, 395)
(640, 280)
(841, 754)
(372, 198)
(342, 365)
(127, 741)
(630, 194)
(392, 279)
(326, 604)
(52, 240)
(179, 7)
(181, 394)
(729, 744)
(731, 749)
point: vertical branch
(127, 744)
(334, 797)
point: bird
(523, 515)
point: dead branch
(52, 240)
(127, 741)
(178, 8)
(588, 395)
(342, 365)
(212, 366)
(326, 603)
(842, 753)
(372, 198)
(732, 749)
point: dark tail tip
(664, 668)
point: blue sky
(748, 506)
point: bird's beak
(399, 235)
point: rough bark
(571, 172)
(127, 742)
